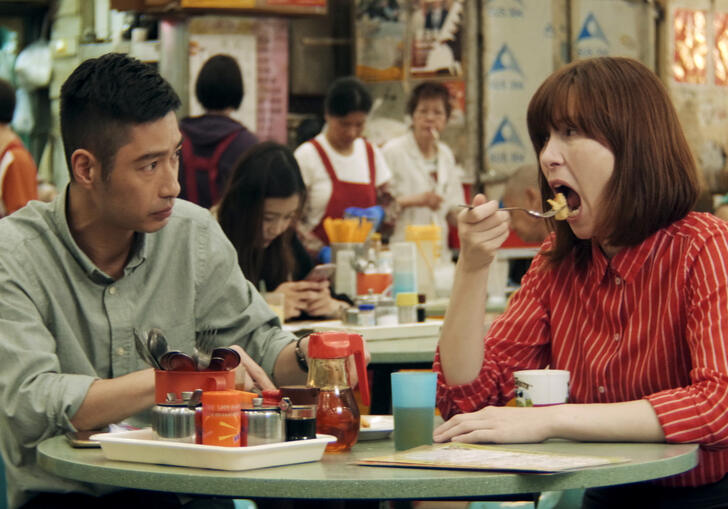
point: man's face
(139, 192)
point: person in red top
(630, 293)
(18, 173)
(339, 167)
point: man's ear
(85, 167)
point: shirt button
(112, 290)
(601, 389)
(616, 336)
(618, 280)
(120, 351)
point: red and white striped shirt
(650, 323)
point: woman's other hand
(298, 294)
(429, 199)
(482, 230)
(324, 304)
(496, 425)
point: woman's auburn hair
(622, 104)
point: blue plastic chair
(3, 486)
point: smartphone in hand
(321, 272)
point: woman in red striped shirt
(630, 293)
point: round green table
(335, 477)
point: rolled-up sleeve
(227, 301)
(699, 412)
(39, 401)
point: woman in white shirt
(424, 176)
(339, 167)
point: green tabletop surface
(402, 350)
(334, 477)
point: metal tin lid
(301, 412)
(173, 422)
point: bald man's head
(522, 191)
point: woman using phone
(258, 213)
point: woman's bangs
(549, 109)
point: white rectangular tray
(143, 446)
(429, 328)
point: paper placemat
(461, 456)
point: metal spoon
(157, 344)
(143, 351)
(175, 360)
(224, 359)
(534, 213)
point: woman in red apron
(339, 167)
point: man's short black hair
(347, 95)
(7, 102)
(103, 97)
(219, 84)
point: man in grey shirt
(113, 253)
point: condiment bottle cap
(406, 299)
(221, 398)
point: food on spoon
(559, 204)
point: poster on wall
(296, 3)
(272, 68)
(515, 68)
(437, 45)
(690, 46)
(616, 28)
(380, 33)
(720, 48)
(242, 47)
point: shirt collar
(60, 219)
(627, 263)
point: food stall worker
(425, 180)
(339, 167)
(629, 294)
(114, 253)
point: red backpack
(194, 165)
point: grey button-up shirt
(65, 323)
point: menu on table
(488, 457)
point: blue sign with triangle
(505, 134)
(591, 30)
(505, 61)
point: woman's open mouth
(573, 200)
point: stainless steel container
(264, 423)
(174, 421)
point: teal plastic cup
(413, 405)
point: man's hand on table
(248, 375)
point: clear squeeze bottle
(337, 413)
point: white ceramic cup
(541, 387)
